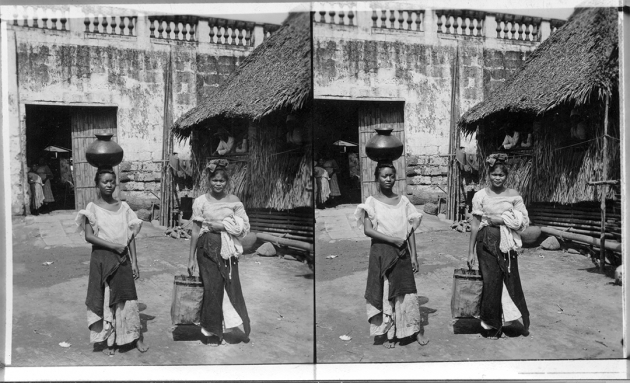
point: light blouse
(205, 212)
(113, 226)
(392, 220)
(485, 205)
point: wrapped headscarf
(217, 164)
(496, 158)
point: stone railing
(37, 17)
(517, 27)
(460, 22)
(335, 14)
(410, 20)
(175, 28)
(110, 25)
(231, 32)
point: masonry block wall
(361, 62)
(72, 67)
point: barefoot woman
(219, 221)
(112, 304)
(392, 304)
(502, 300)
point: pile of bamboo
(295, 224)
(583, 218)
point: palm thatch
(275, 76)
(576, 63)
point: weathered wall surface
(74, 68)
(365, 63)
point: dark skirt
(216, 278)
(496, 268)
(394, 263)
(107, 266)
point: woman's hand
(120, 249)
(414, 264)
(135, 270)
(398, 242)
(494, 220)
(472, 260)
(216, 226)
(192, 267)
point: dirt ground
(576, 313)
(49, 308)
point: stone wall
(75, 68)
(363, 62)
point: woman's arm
(94, 240)
(472, 259)
(414, 255)
(370, 232)
(134, 259)
(192, 265)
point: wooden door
(372, 115)
(86, 122)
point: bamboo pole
(604, 190)
(283, 241)
(610, 245)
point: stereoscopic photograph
(468, 202)
(161, 186)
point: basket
(467, 289)
(187, 299)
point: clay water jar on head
(104, 152)
(383, 146)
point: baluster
(419, 16)
(53, 21)
(447, 24)
(480, 18)
(322, 16)
(220, 31)
(87, 23)
(113, 25)
(169, 29)
(332, 14)
(152, 27)
(383, 18)
(45, 21)
(193, 31)
(104, 23)
(513, 30)
(132, 25)
(350, 17)
(63, 21)
(439, 21)
(392, 19)
(342, 15)
(177, 30)
(535, 36)
(471, 24)
(527, 21)
(15, 16)
(374, 18)
(409, 19)
(401, 19)
(211, 21)
(499, 27)
(248, 37)
(232, 33)
(160, 28)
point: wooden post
(167, 148)
(452, 180)
(604, 191)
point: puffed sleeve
(414, 217)
(520, 206)
(197, 210)
(134, 223)
(362, 209)
(477, 203)
(88, 213)
(239, 211)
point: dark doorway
(336, 135)
(49, 144)
(56, 138)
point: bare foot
(214, 341)
(109, 351)
(421, 339)
(389, 344)
(141, 346)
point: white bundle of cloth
(230, 242)
(510, 232)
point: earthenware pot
(104, 152)
(383, 146)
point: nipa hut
(264, 107)
(564, 103)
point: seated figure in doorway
(226, 143)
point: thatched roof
(577, 62)
(276, 75)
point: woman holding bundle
(219, 223)
(322, 187)
(390, 220)
(112, 303)
(499, 215)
